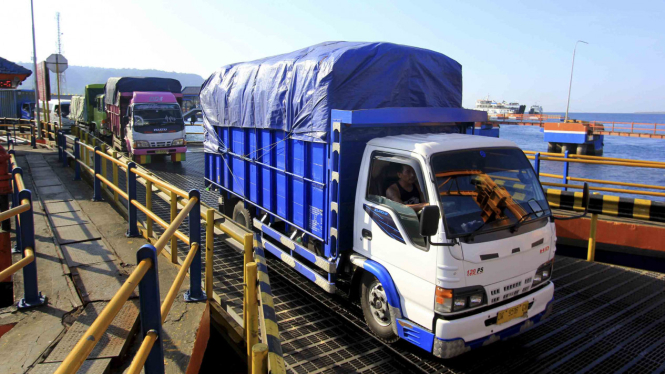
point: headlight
(447, 301)
(141, 144)
(179, 142)
(543, 273)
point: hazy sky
(511, 50)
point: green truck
(88, 110)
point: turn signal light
(443, 293)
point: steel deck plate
(47, 182)
(61, 207)
(99, 366)
(77, 233)
(86, 253)
(68, 218)
(100, 281)
(114, 340)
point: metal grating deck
(605, 319)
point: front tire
(242, 216)
(375, 308)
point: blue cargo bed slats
(295, 92)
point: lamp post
(38, 123)
(570, 85)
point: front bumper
(158, 151)
(454, 337)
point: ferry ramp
(606, 318)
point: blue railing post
(59, 144)
(15, 203)
(133, 230)
(565, 171)
(31, 295)
(150, 308)
(77, 157)
(536, 163)
(195, 293)
(64, 151)
(33, 136)
(98, 170)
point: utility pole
(57, 70)
(570, 85)
(34, 56)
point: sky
(509, 50)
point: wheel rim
(240, 219)
(378, 304)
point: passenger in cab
(406, 190)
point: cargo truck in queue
(84, 110)
(145, 119)
(356, 165)
(17, 104)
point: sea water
(531, 138)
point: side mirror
(429, 220)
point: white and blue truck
(358, 167)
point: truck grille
(511, 286)
(509, 289)
(160, 144)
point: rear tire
(242, 216)
(375, 308)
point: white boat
(493, 107)
(536, 109)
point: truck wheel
(375, 308)
(242, 216)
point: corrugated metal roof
(191, 90)
(8, 67)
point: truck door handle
(367, 234)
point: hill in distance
(77, 77)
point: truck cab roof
(154, 97)
(428, 144)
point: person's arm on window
(393, 194)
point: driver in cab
(406, 190)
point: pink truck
(145, 118)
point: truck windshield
(157, 114)
(487, 189)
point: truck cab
(470, 261)
(55, 108)
(154, 126)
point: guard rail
(90, 154)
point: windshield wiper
(472, 234)
(519, 222)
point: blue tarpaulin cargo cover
(296, 92)
(129, 84)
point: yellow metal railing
(25, 237)
(538, 157)
(259, 355)
(78, 355)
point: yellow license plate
(161, 152)
(511, 313)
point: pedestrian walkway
(83, 257)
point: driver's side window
(395, 183)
